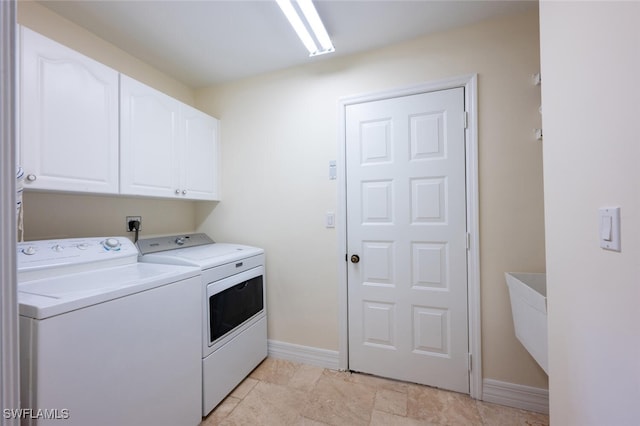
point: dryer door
(233, 302)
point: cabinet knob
(31, 178)
(177, 191)
(184, 192)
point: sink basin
(528, 294)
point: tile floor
(284, 393)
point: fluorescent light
(313, 19)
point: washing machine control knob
(29, 251)
(111, 244)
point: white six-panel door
(406, 222)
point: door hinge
(465, 118)
(468, 241)
(470, 363)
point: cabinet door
(200, 155)
(68, 118)
(149, 132)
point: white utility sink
(528, 293)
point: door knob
(355, 258)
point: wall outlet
(132, 218)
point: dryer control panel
(154, 245)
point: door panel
(406, 210)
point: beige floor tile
(440, 407)
(277, 371)
(268, 404)
(391, 402)
(304, 421)
(283, 393)
(221, 411)
(244, 388)
(306, 377)
(380, 418)
(340, 402)
(498, 415)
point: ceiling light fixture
(313, 21)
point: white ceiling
(212, 41)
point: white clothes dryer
(234, 320)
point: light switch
(330, 220)
(610, 228)
(605, 227)
(332, 170)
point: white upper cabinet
(199, 178)
(148, 139)
(68, 118)
(167, 148)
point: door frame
(470, 84)
(9, 336)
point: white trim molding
(9, 337)
(516, 396)
(470, 85)
(303, 354)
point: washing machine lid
(204, 256)
(46, 297)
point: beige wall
(52, 215)
(49, 215)
(279, 132)
(591, 152)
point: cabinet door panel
(68, 118)
(200, 155)
(149, 141)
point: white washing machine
(234, 320)
(105, 340)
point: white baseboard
(516, 396)
(303, 354)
